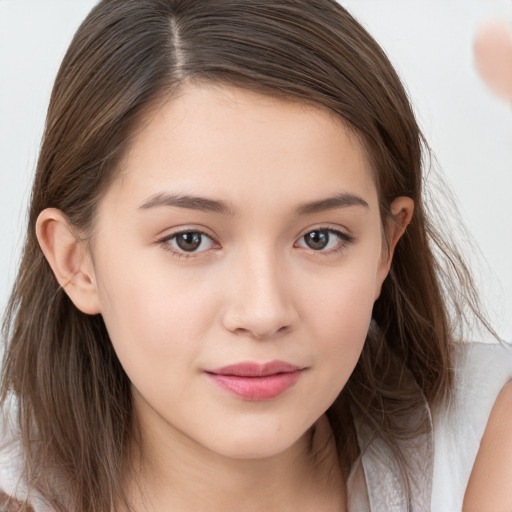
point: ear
(401, 210)
(69, 259)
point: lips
(254, 381)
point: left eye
(325, 239)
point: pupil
(188, 241)
(317, 239)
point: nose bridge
(259, 302)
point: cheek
(339, 314)
(345, 317)
(152, 316)
(343, 299)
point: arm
(490, 483)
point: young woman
(231, 296)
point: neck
(176, 474)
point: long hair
(126, 57)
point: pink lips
(253, 381)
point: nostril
(261, 334)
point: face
(242, 230)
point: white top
(481, 371)
(440, 460)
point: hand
(493, 57)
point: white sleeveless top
(481, 372)
(440, 460)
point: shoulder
(9, 504)
(480, 373)
(14, 491)
(490, 483)
(9, 461)
(12, 497)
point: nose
(259, 298)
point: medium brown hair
(126, 57)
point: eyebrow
(340, 200)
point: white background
(430, 43)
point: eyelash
(345, 240)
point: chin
(257, 444)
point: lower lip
(256, 388)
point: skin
(489, 487)
(490, 484)
(493, 57)
(254, 290)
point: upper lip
(250, 369)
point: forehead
(244, 147)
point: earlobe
(401, 209)
(69, 259)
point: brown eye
(189, 241)
(317, 240)
(325, 240)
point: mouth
(254, 381)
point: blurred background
(430, 42)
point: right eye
(185, 243)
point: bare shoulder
(490, 484)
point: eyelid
(327, 227)
(172, 231)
